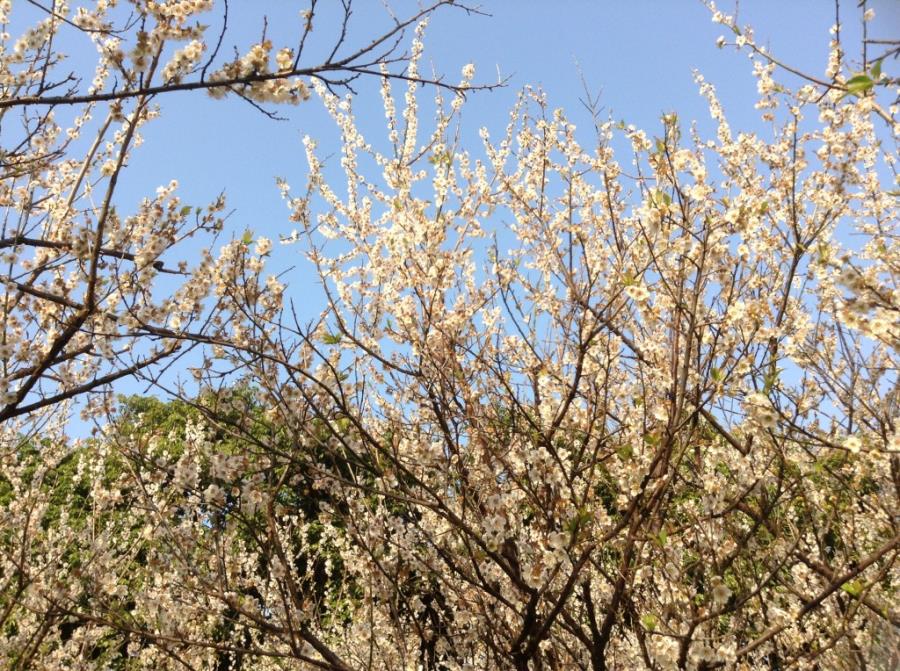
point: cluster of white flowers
(182, 61)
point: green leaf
(578, 521)
(716, 375)
(649, 621)
(659, 198)
(186, 210)
(859, 84)
(331, 338)
(771, 379)
(625, 452)
(248, 237)
(876, 70)
(853, 588)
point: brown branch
(15, 411)
(319, 72)
(24, 241)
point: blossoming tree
(556, 413)
(94, 287)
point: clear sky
(639, 55)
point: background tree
(138, 526)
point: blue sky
(638, 55)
